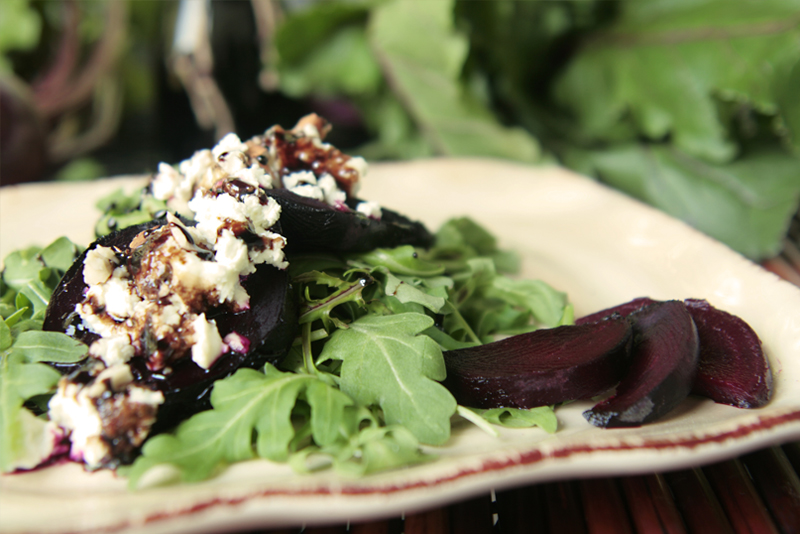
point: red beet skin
(664, 363)
(542, 367)
(733, 368)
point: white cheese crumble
(370, 209)
(74, 408)
(208, 344)
(99, 265)
(153, 303)
(324, 188)
(112, 350)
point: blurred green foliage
(692, 106)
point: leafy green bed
(360, 390)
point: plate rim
(766, 428)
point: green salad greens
(28, 279)
(360, 390)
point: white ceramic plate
(598, 245)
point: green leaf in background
(20, 27)
(343, 65)
(747, 203)
(664, 69)
(386, 363)
(787, 87)
(425, 72)
(80, 170)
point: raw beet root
(663, 366)
(270, 325)
(733, 368)
(310, 225)
(541, 367)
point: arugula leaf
(60, 254)
(385, 362)
(28, 279)
(57, 347)
(22, 267)
(430, 293)
(368, 447)
(461, 238)
(378, 448)
(25, 440)
(542, 416)
(545, 304)
(121, 210)
(247, 406)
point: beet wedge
(733, 367)
(541, 367)
(664, 363)
(624, 309)
(269, 326)
(310, 225)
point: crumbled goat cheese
(153, 303)
(333, 196)
(73, 410)
(99, 265)
(207, 345)
(232, 155)
(236, 343)
(129, 413)
(112, 350)
(324, 188)
(370, 209)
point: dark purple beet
(733, 367)
(270, 325)
(541, 367)
(663, 366)
(310, 225)
(623, 309)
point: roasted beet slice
(624, 309)
(269, 326)
(310, 225)
(541, 367)
(664, 363)
(733, 367)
